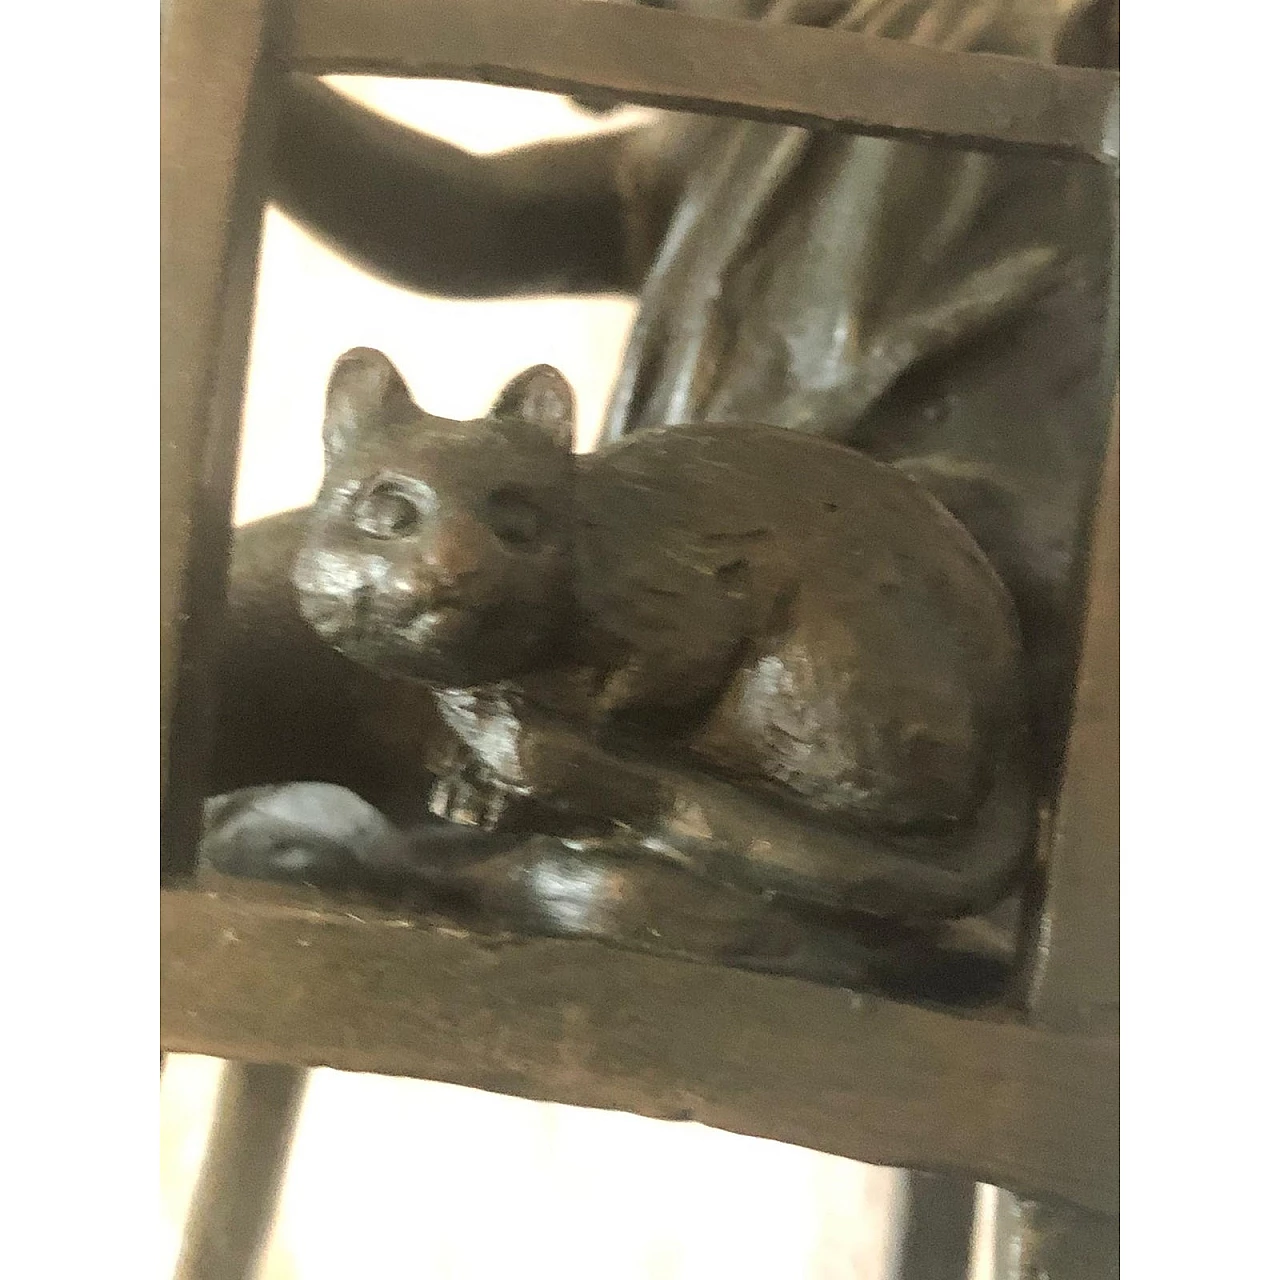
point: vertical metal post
(217, 78)
(938, 1228)
(245, 1161)
(1076, 983)
(216, 89)
(1078, 980)
(1029, 1240)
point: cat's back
(691, 539)
(783, 500)
(735, 471)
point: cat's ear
(542, 397)
(365, 392)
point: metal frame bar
(937, 1228)
(289, 977)
(234, 1203)
(792, 74)
(1076, 982)
(1030, 1105)
(214, 153)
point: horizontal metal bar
(789, 74)
(293, 977)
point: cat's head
(440, 550)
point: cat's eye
(515, 520)
(384, 511)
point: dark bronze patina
(756, 658)
(942, 311)
(939, 309)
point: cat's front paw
(300, 833)
(470, 796)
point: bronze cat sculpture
(742, 655)
(939, 310)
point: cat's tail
(755, 840)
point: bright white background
(455, 355)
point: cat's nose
(456, 554)
(441, 567)
(446, 584)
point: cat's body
(846, 637)
(762, 655)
